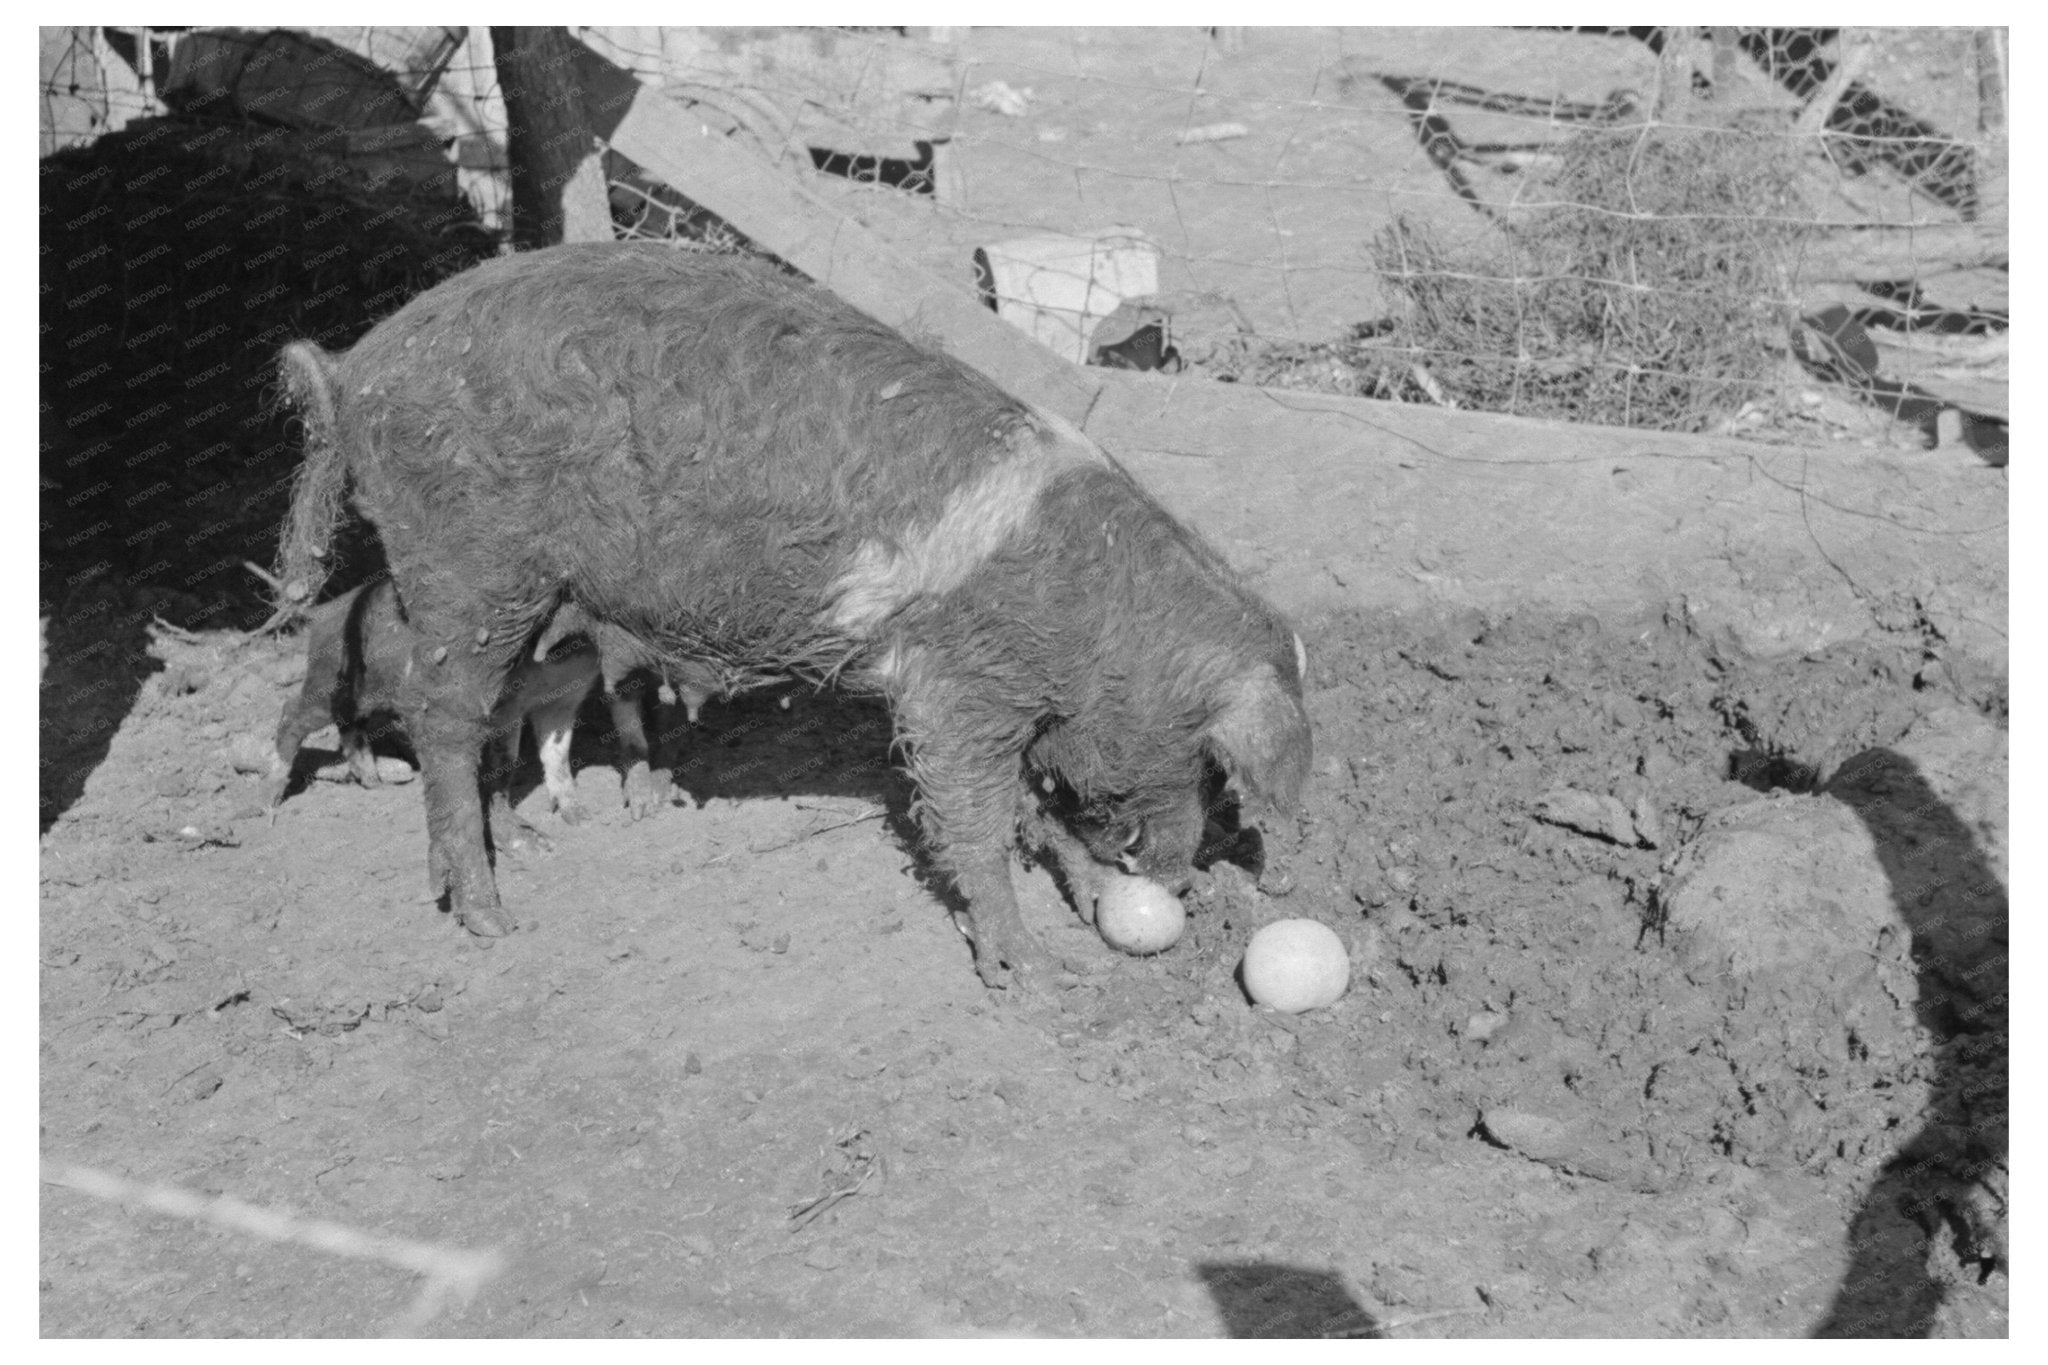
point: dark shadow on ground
(1262, 1299)
(97, 642)
(1937, 1213)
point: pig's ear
(1260, 738)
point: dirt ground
(1538, 1110)
(1677, 1002)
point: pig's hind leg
(621, 657)
(359, 748)
(461, 669)
(302, 715)
(646, 789)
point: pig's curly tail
(307, 374)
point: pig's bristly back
(735, 429)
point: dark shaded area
(1433, 131)
(176, 259)
(1771, 770)
(1835, 348)
(177, 256)
(916, 175)
(1556, 109)
(546, 137)
(1938, 1209)
(1144, 349)
(1262, 1299)
(1913, 313)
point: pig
(720, 463)
(359, 667)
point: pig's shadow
(784, 741)
(795, 741)
(778, 743)
(792, 741)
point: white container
(1059, 288)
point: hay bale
(1647, 287)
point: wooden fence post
(558, 186)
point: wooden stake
(558, 187)
(1992, 57)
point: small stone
(1949, 427)
(1484, 1025)
(250, 754)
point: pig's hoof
(571, 811)
(646, 791)
(521, 837)
(1013, 962)
(488, 921)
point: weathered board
(1333, 502)
(853, 91)
(771, 207)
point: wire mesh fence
(1621, 226)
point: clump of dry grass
(1646, 286)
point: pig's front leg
(1005, 952)
(964, 753)
(1086, 878)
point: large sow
(740, 478)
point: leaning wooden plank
(1335, 503)
(854, 92)
(1902, 252)
(1968, 372)
(861, 266)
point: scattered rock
(1778, 882)
(1566, 1147)
(999, 97)
(1484, 1025)
(1602, 816)
(1213, 132)
(248, 753)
